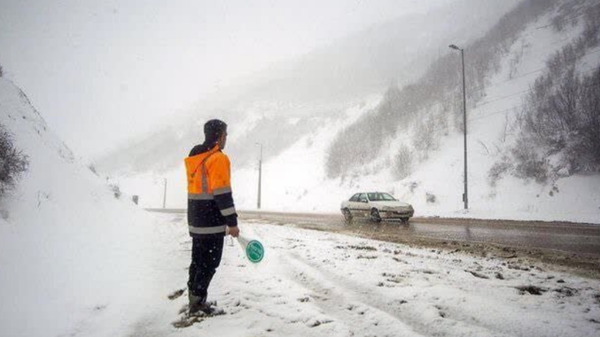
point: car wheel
(375, 217)
(347, 215)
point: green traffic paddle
(255, 251)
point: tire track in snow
(363, 319)
(424, 313)
(344, 298)
(417, 318)
(350, 313)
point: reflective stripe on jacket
(210, 199)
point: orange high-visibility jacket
(210, 199)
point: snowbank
(73, 258)
(314, 283)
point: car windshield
(380, 197)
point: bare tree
(403, 162)
(560, 117)
(362, 141)
(12, 162)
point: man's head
(215, 132)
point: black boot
(197, 304)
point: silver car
(376, 206)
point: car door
(353, 204)
(363, 204)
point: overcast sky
(102, 72)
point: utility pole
(165, 195)
(462, 55)
(259, 175)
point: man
(211, 212)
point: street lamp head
(453, 46)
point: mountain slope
(419, 158)
(74, 258)
(291, 98)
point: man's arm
(221, 187)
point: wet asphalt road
(582, 239)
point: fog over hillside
(289, 99)
(398, 50)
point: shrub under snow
(12, 162)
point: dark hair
(213, 129)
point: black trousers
(206, 257)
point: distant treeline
(432, 101)
(559, 127)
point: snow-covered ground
(73, 257)
(77, 261)
(314, 283)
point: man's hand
(233, 231)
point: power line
(501, 98)
(571, 17)
(410, 137)
(487, 86)
(440, 120)
(495, 99)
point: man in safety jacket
(211, 212)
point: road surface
(574, 238)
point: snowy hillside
(73, 258)
(436, 171)
(409, 140)
(423, 155)
(433, 179)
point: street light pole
(259, 175)
(165, 195)
(462, 55)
